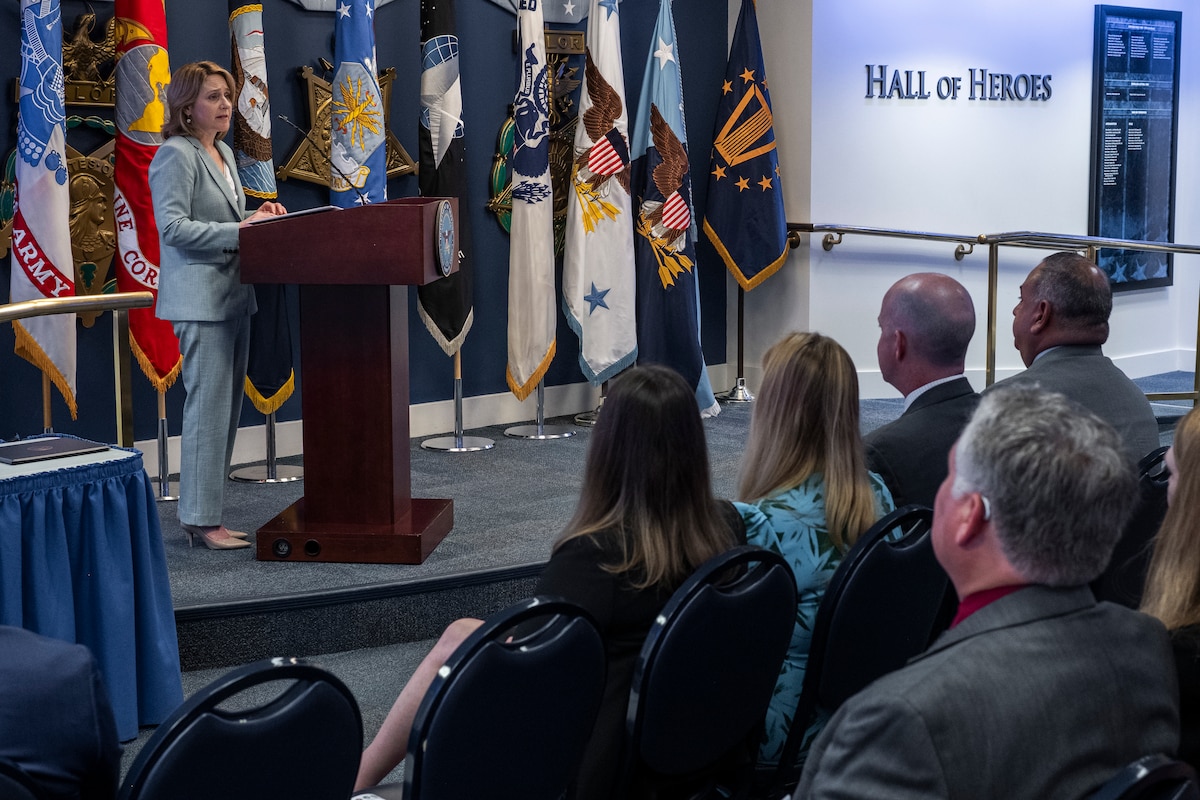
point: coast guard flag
(358, 145)
(270, 379)
(445, 304)
(599, 287)
(744, 219)
(42, 266)
(668, 293)
(531, 255)
(143, 73)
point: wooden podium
(353, 266)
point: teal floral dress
(792, 523)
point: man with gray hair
(1036, 691)
(1059, 325)
(926, 321)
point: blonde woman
(805, 491)
(1172, 592)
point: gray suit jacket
(1084, 374)
(1043, 694)
(198, 218)
(910, 453)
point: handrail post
(989, 376)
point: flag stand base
(262, 474)
(738, 394)
(458, 444)
(541, 430)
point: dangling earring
(187, 117)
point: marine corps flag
(143, 73)
(668, 313)
(745, 219)
(531, 320)
(42, 266)
(270, 379)
(444, 304)
(358, 148)
(599, 287)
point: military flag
(531, 320)
(270, 378)
(143, 73)
(42, 265)
(599, 285)
(358, 148)
(668, 289)
(745, 219)
(445, 304)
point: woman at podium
(199, 207)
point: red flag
(143, 73)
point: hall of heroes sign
(1135, 113)
(978, 84)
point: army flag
(531, 323)
(745, 219)
(599, 287)
(358, 147)
(142, 75)
(668, 292)
(42, 264)
(270, 379)
(445, 304)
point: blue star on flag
(595, 298)
(610, 6)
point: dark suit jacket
(55, 719)
(1084, 374)
(1043, 694)
(910, 453)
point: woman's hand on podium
(265, 211)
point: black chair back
(1154, 777)
(707, 671)
(510, 707)
(1125, 576)
(16, 783)
(886, 602)
(240, 738)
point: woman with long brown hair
(806, 490)
(1172, 591)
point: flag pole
(541, 430)
(47, 424)
(458, 443)
(590, 418)
(272, 471)
(164, 485)
(739, 393)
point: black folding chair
(1154, 777)
(1125, 576)
(241, 738)
(705, 676)
(886, 602)
(16, 783)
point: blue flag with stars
(358, 146)
(745, 219)
(599, 285)
(668, 300)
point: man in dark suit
(55, 719)
(1059, 325)
(1036, 691)
(925, 324)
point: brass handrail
(119, 304)
(1091, 245)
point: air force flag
(358, 148)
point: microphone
(362, 198)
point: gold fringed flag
(143, 73)
(42, 266)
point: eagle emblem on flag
(607, 157)
(665, 223)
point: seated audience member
(1172, 592)
(646, 519)
(1036, 691)
(55, 719)
(808, 495)
(925, 324)
(1059, 325)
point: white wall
(950, 166)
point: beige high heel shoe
(208, 536)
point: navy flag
(745, 219)
(445, 304)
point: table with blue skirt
(81, 559)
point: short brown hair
(185, 86)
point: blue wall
(294, 37)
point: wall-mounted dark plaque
(1135, 112)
